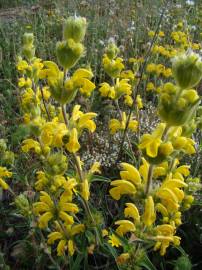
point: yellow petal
(130, 173)
(132, 211)
(52, 237)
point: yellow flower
(130, 173)
(132, 211)
(165, 236)
(114, 241)
(86, 122)
(105, 233)
(151, 142)
(161, 34)
(150, 86)
(167, 72)
(30, 144)
(151, 68)
(81, 80)
(95, 168)
(128, 100)
(171, 194)
(66, 241)
(128, 74)
(139, 102)
(105, 89)
(122, 87)
(85, 192)
(151, 33)
(116, 125)
(22, 82)
(49, 210)
(123, 258)
(130, 179)
(22, 65)
(149, 215)
(112, 67)
(4, 173)
(125, 226)
(73, 145)
(120, 188)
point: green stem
(149, 179)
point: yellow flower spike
(85, 190)
(149, 215)
(73, 145)
(52, 237)
(122, 187)
(61, 247)
(114, 241)
(132, 211)
(125, 226)
(130, 173)
(44, 219)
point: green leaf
(147, 263)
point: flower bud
(3, 145)
(68, 53)
(28, 39)
(112, 50)
(22, 204)
(56, 164)
(28, 49)
(187, 70)
(75, 28)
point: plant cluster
(155, 189)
